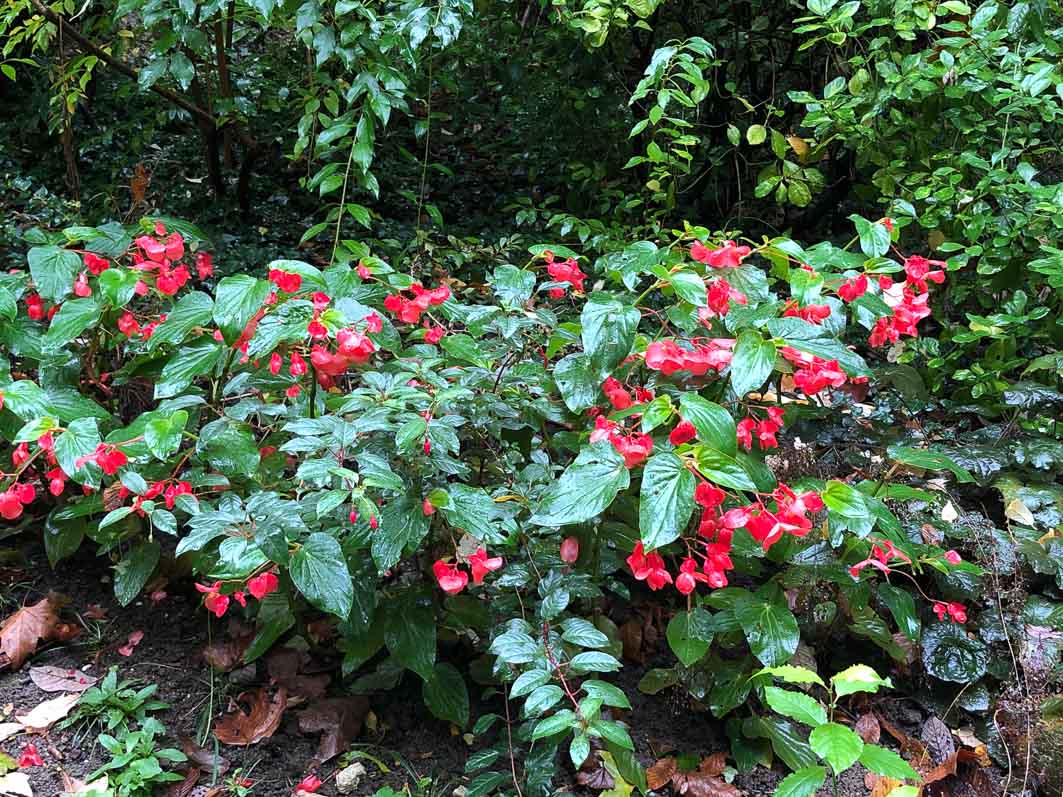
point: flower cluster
(161, 257)
(883, 552)
(619, 396)
(13, 499)
(720, 297)
(813, 373)
(633, 446)
(956, 612)
(765, 429)
(812, 313)
(352, 348)
(567, 271)
(669, 358)
(409, 310)
(790, 515)
(452, 579)
(108, 456)
(727, 255)
(285, 280)
(258, 586)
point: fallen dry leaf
(184, 788)
(285, 666)
(204, 759)
(911, 747)
(47, 713)
(660, 774)
(700, 784)
(880, 785)
(240, 728)
(16, 784)
(948, 767)
(226, 654)
(868, 729)
(593, 774)
(74, 786)
(21, 632)
(60, 679)
(9, 729)
(967, 737)
(714, 764)
(95, 612)
(340, 720)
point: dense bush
(353, 441)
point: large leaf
(133, 572)
(666, 500)
(446, 695)
(73, 318)
(803, 783)
(689, 635)
(192, 310)
(586, 488)
(320, 572)
(236, 300)
(608, 330)
(770, 628)
(578, 380)
(715, 425)
(795, 705)
(929, 460)
(185, 365)
(411, 633)
(752, 363)
(837, 745)
(402, 525)
(722, 469)
(53, 270)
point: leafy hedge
(477, 468)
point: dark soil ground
(404, 737)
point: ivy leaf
(319, 570)
(446, 695)
(163, 435)
(690, 635)
(666, 500)
(690, 287)
(402, 525)
(886, 762)
(586, 488)
(752, 363)
(837, 745)
(192, 310)
(722, 469)
(185, 365)
(857, 678)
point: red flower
(293, 391)
(565, 271)
(953, 558)
(688, 576)
(956, 612)
(434, 334)
(34, 307)
(917, 268)
(363, 271)
(317, 330)
(813, 373)
(450, 579)
(728, 255)
(667, 357)
(128, 325)
(26, 493)
(297, 365)
(289, 283)
(853, 288)
(374, 522)
(96, 264)
(708, 495)
(204, 265)
(275, 363)
(373, 323)
(320, 300)
(10, 505)
(569, 550)
(308, 784)
(109, 457)
(744, 433)
(649, 568)
(616, 394)
(635, 448)
(81, 285)
(684, 432)
(215, 602)
(480, 565)
(812, 313)
(30, 757)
